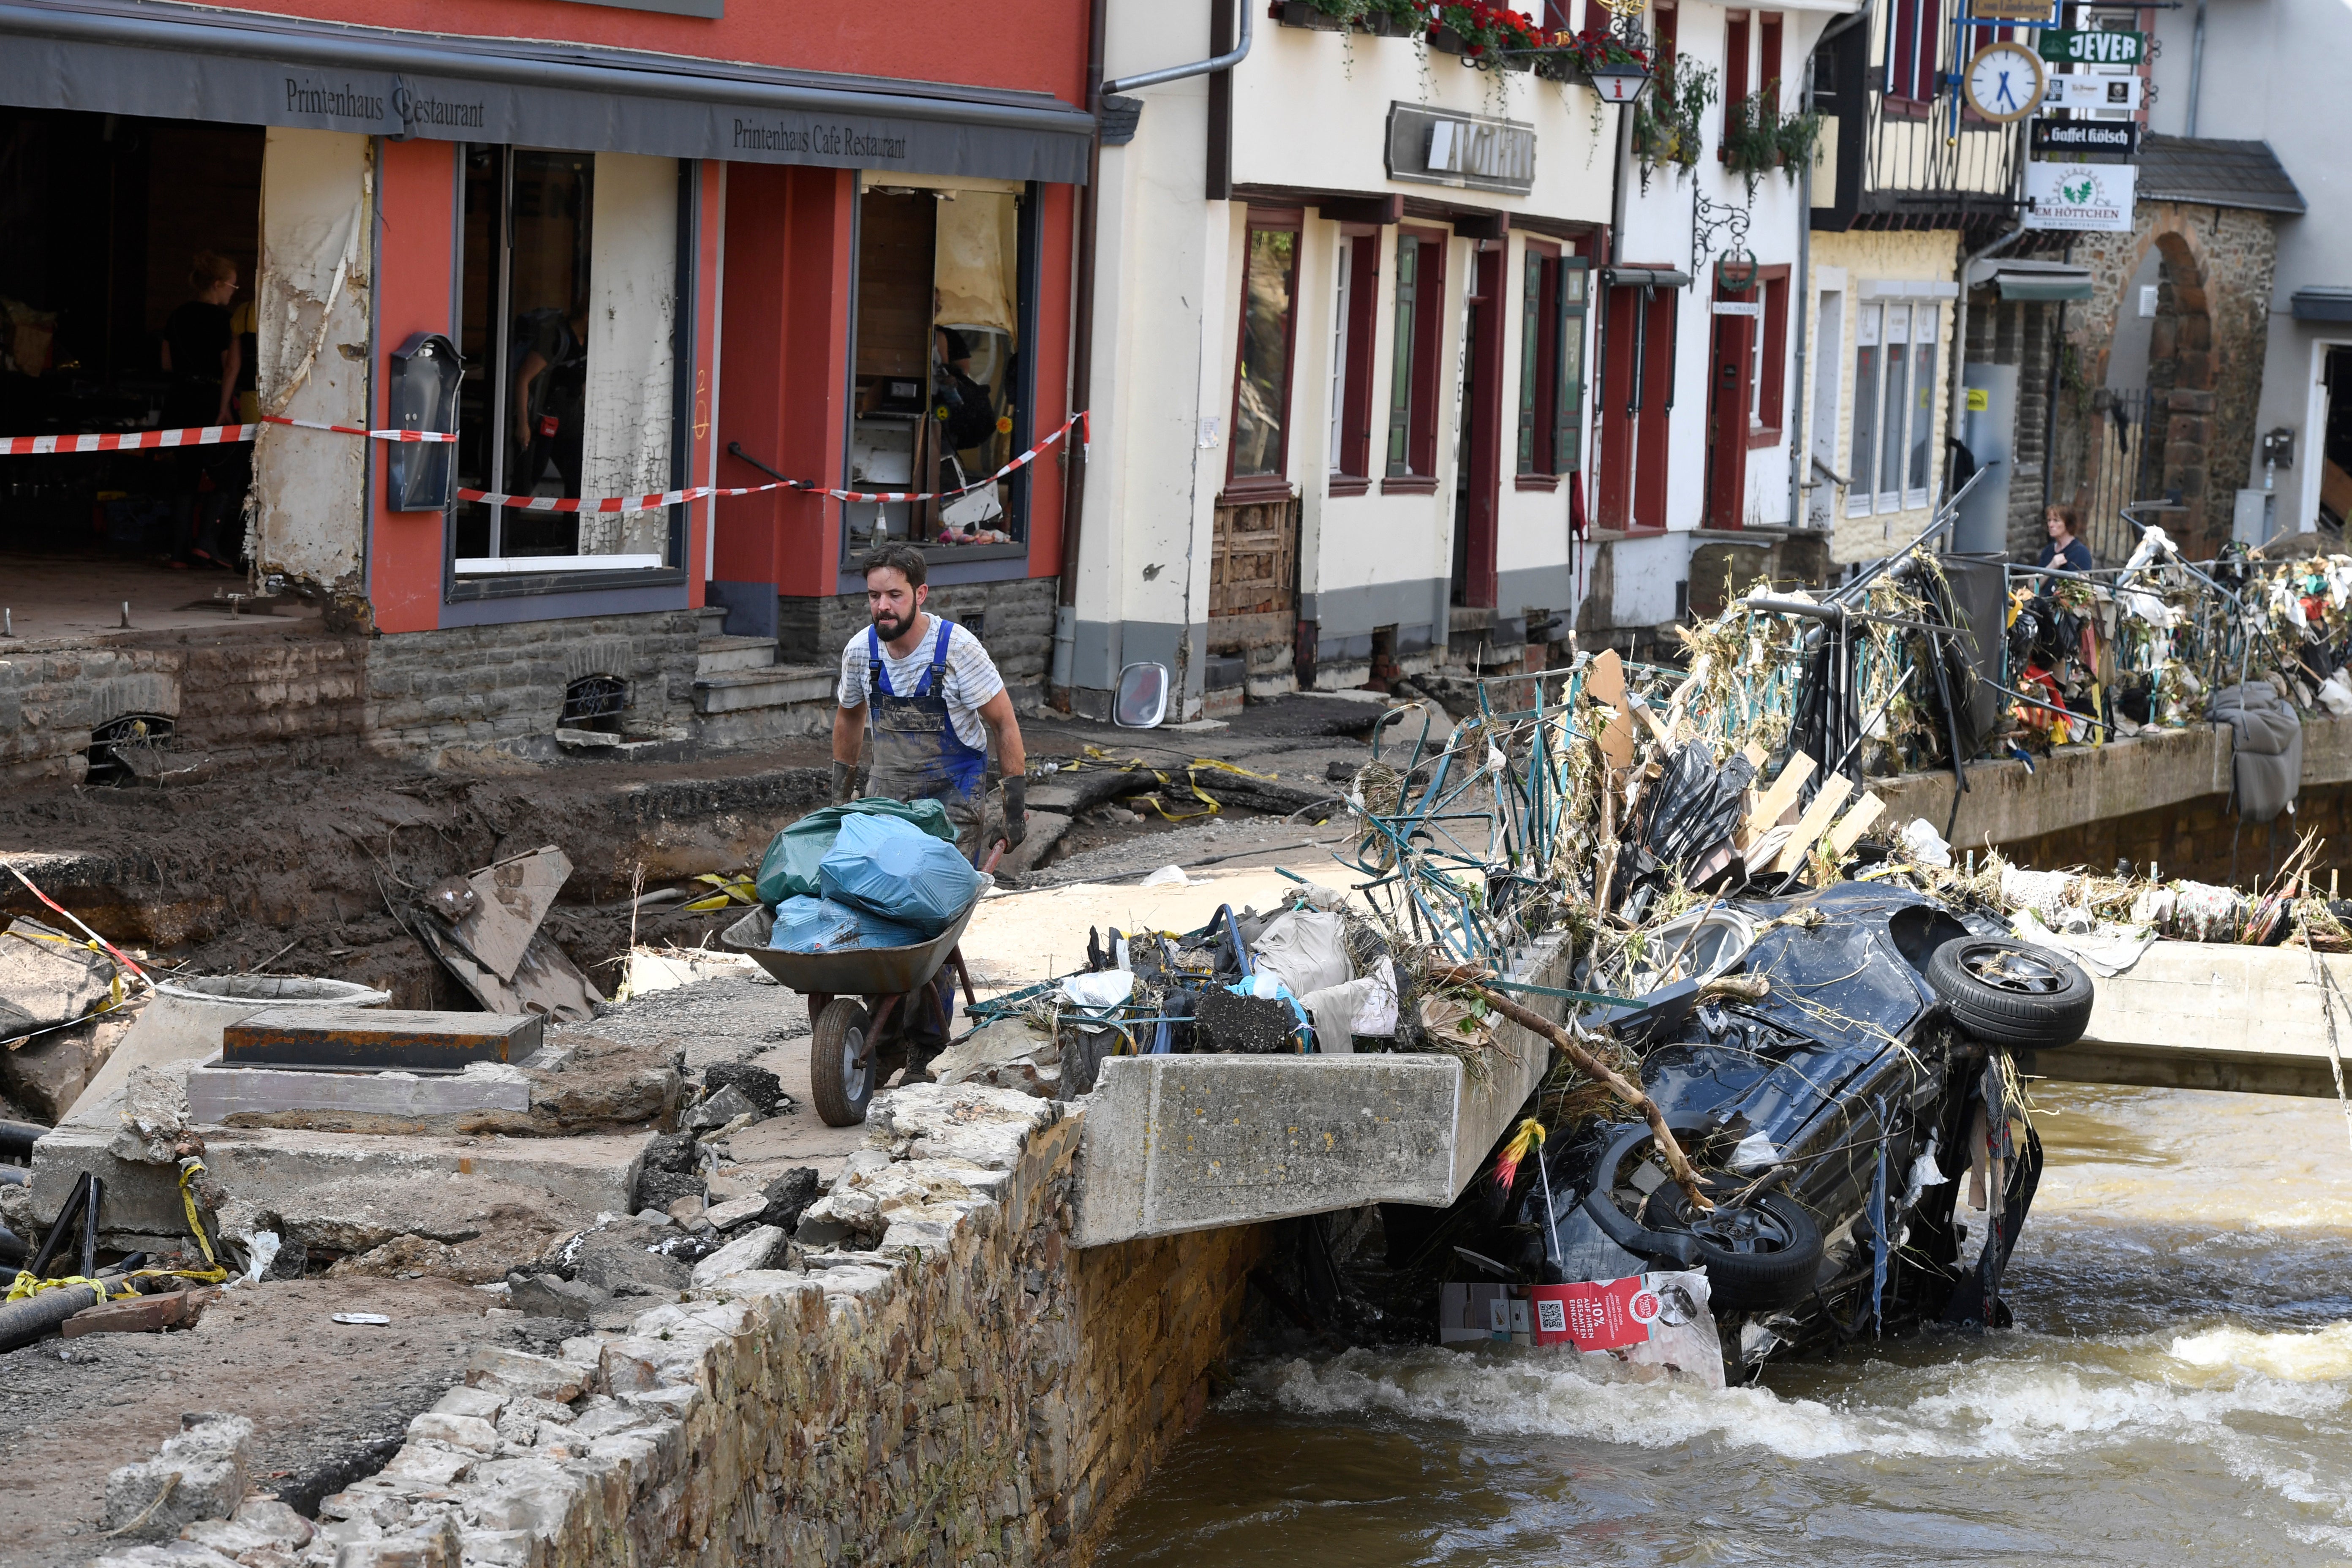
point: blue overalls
(918, 755)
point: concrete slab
(2210, 1016)
(273, 1168)
(1192, 1143)
(215, 1093)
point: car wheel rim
(853, 1070)
(2019, 973)
(1742, 1230)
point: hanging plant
(1666, 118)
(1756, 138)
(1493, 37)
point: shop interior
(937, 368)
(106, 217)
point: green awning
(2042, 290)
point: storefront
(1356, 442)
(641, 258)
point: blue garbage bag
(793, 855)
(816, 925)
(890, 867)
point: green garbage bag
(789, 867)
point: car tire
(843, 1065)
(1760, 1255)
(2011, 993)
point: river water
(2177, 1390)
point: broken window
(567, 321)
(1269, 315)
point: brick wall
(970, 1393)
(1017, 627)
(479, 686)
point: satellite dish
(1143, 700)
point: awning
(2322, 304)
(2033, 282)
(183, 62)
(1644, 277)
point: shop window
(568, 321)
(1269, 316)
(1925, 319)
(1863, 470)
(1356, 310)
(1415, 328)
(1551, 363)
(940, 387)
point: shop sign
(2062, 47)
(1472, 151)
(2012, 11)
(2091, 197)
(2078, 138)
(2074, 91)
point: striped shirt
(972, 677)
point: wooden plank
(1604, 679)
(1816, 820)
(1776, 800)
(1617, 743)
(375, 1039)
(1854, 825)
(511, 900)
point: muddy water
(2179, 1390)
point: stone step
(714, 619)
(718, 655)
(782, 686)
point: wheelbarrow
(861, 1001)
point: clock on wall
(2004, 81)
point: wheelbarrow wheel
(843, 1065)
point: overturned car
(1854, 1123)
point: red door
(1661, 315)
(1731, 393)
(1613, 504)
(1482, 416)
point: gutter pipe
(1960, 333)
(2196, 67)
(1209, 67)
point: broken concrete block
(429, 1464)
(763, 1088)
(435, 1545)
(49, 976)
(720, 1110)
(265, 1533)
(200, 1474)
(553, 1296)
(616, 1260)
(482, 1403)
(48, 1073)
(736, 1211)
(753, 1250)
(686, 1208)
(154, 1113)
(672, 1153)
(664, 1189)
(141, 1315)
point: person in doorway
(550, 395)
(933, 703)
(2064, 553)
(204, 359)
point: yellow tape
(26, 1287)
(190, 1169)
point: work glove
(844, 782)
(1016, 812)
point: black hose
(13, 1251)
(37, 1317)
(17, 1137)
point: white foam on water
(1993, 1408)
(2298, 1355)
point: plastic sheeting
(1307, 950)
(789, 867)
(888, 866)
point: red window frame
(1419, 475)
(1669, 30)
(1276, 220)
(1772, 414)
(1735, 31)
(1354, 476)
(1914, 40)
(1769, 32)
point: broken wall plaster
(307, 513)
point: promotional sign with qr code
(1613, 1314)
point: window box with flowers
(1592, 58)
(1491, 37)
(1380, 18)
(1756, 138)
(1666, 131)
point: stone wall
(968, 1392)
(482, 686)
(230, 696)
(1017, 627)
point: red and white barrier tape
(214, 434)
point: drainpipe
(1799, 395)
(1961, 356)
(1082, 347)
(2196, 67)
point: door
(1654, 391)
(1730, 394)
(1477, 470)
